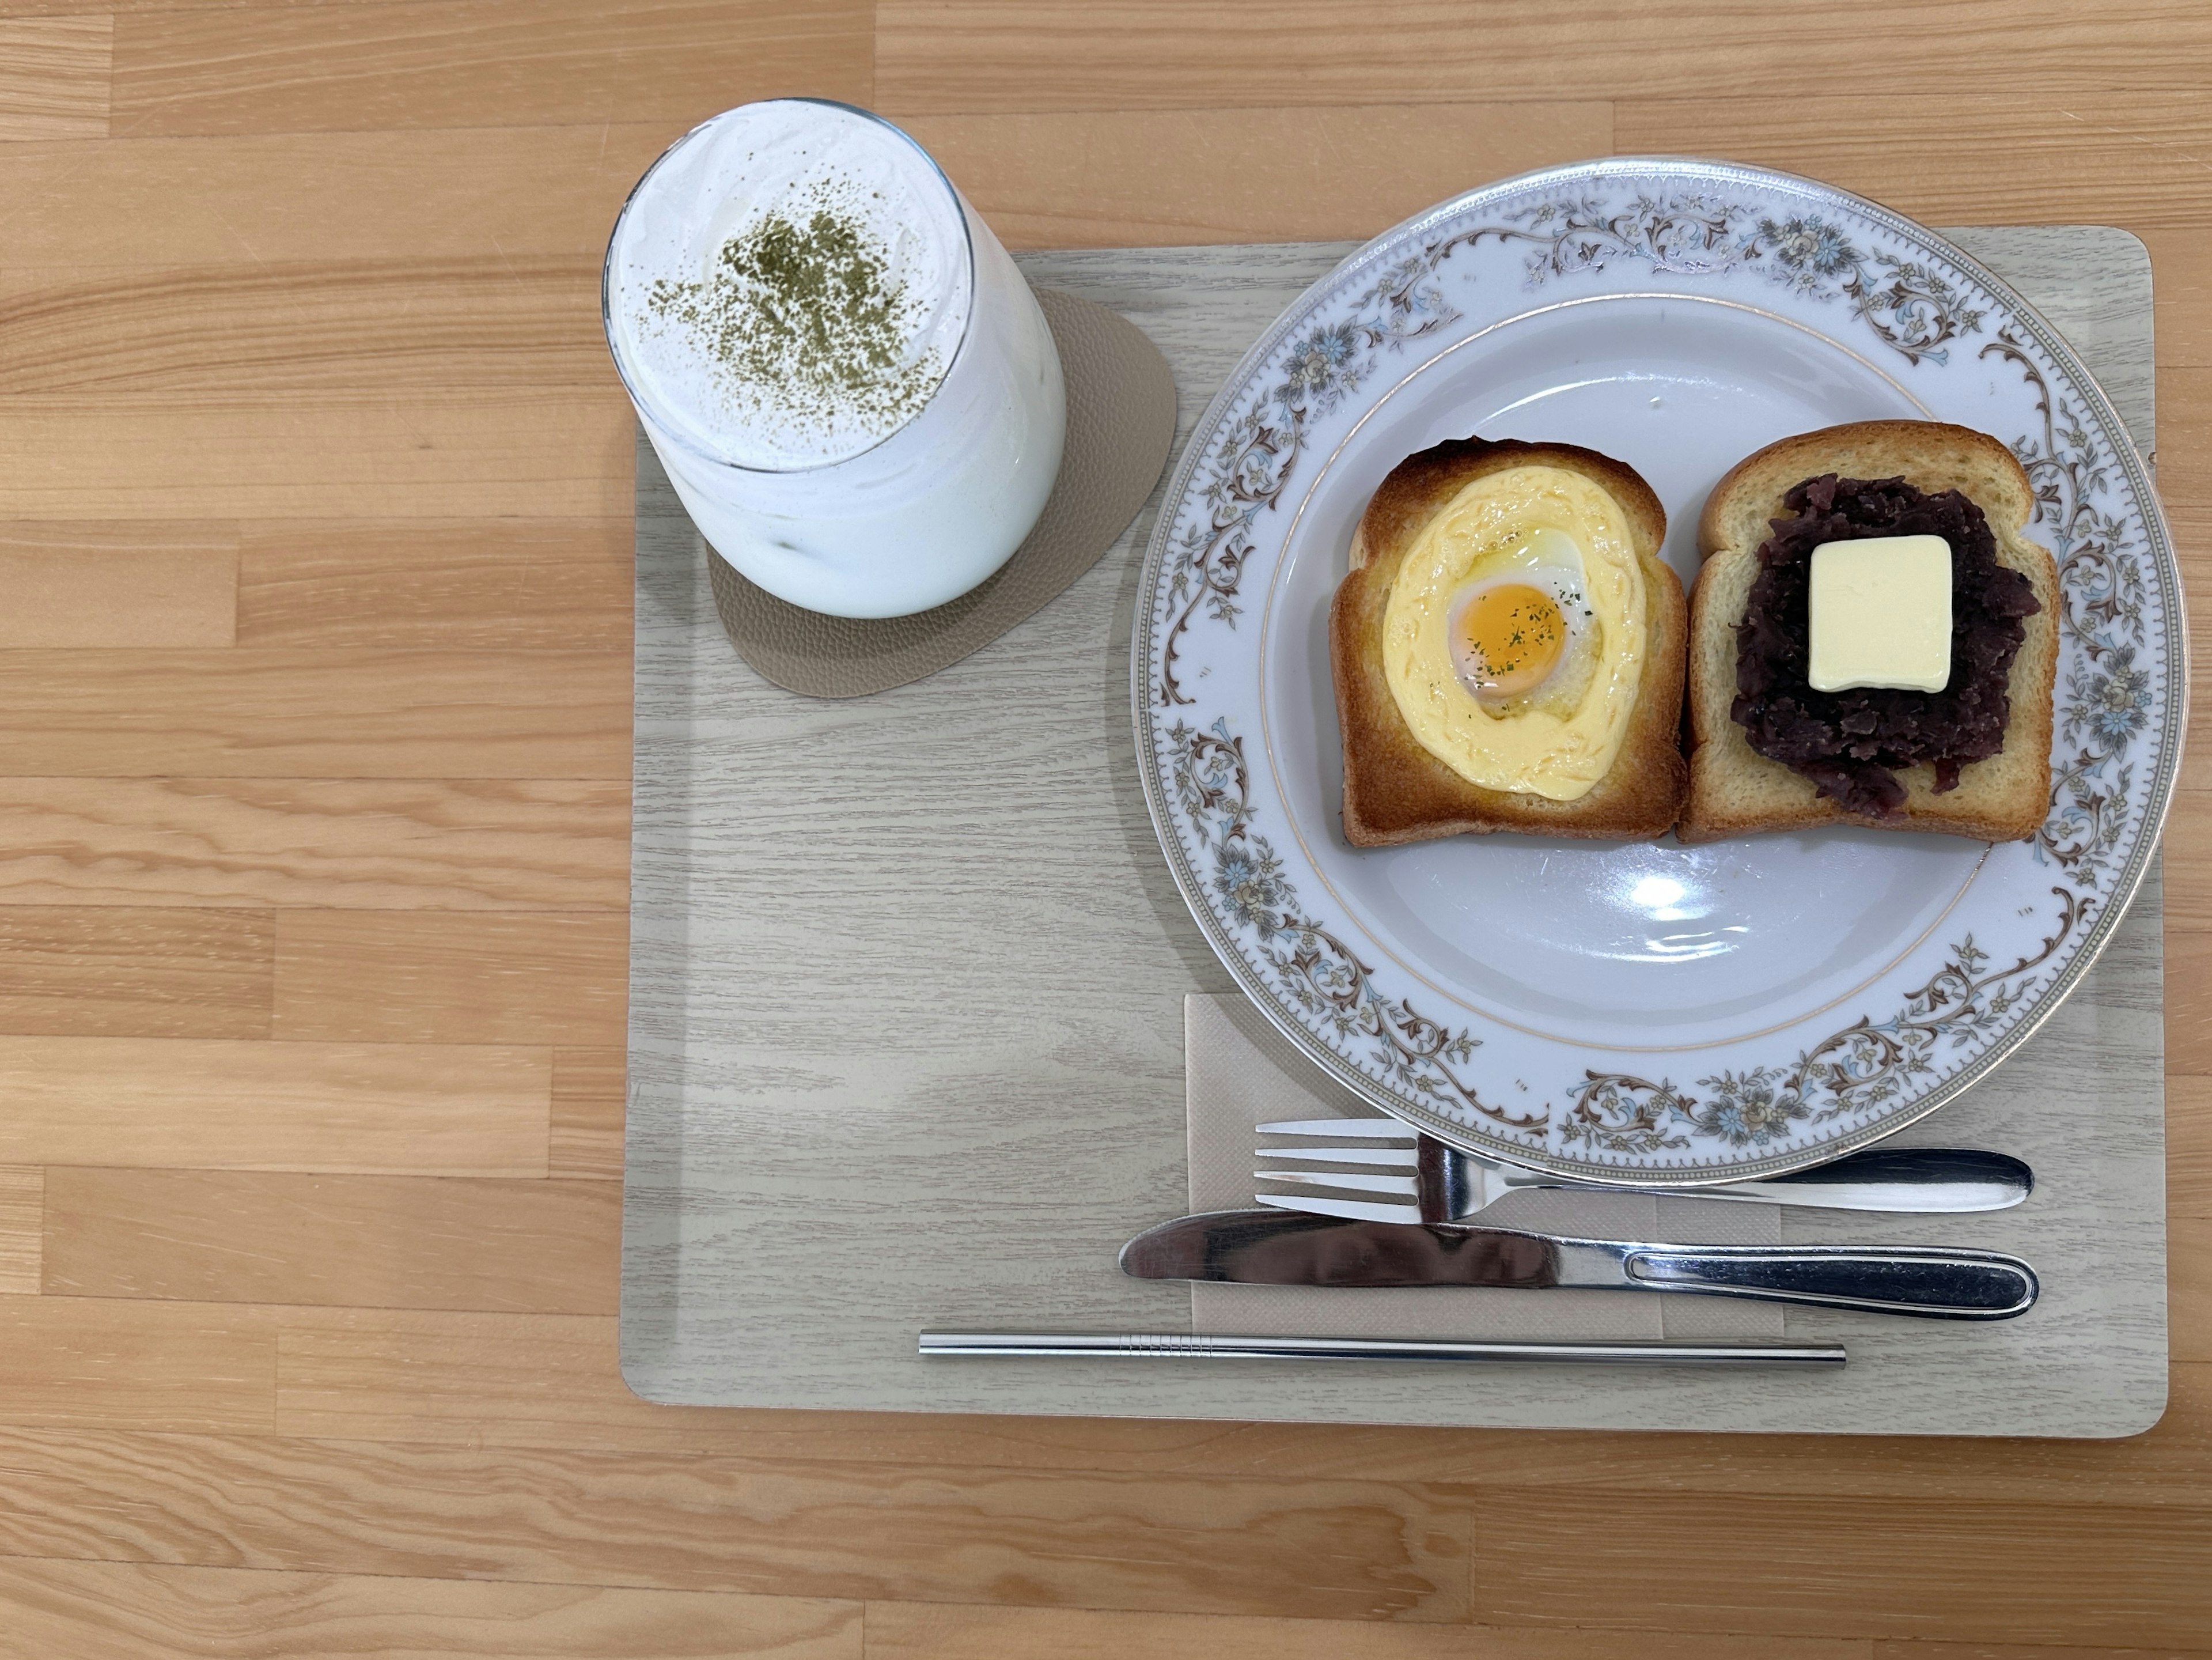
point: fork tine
(1357, 1210)
(1343, 1181)
(1395, 1158)
(1385, 1129)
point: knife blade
(1289, 1248)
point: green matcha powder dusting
(804, 325)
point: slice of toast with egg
(1508, 650)
(1736, 791)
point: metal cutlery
(1185, 1344)
(1426, 1181)
(1289, 1248)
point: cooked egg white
(1513, 639)
(1525, 631)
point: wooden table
(313, 714)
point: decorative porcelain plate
(1640, 1011)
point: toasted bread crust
(1394, 791)
(1735, 791)
(1931, 455)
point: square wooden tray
(906, 1018)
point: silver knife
(1289, 1247)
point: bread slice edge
(1394, 791)
(1734, 790)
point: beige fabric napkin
(1238, 1072)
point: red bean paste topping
(1850, 743)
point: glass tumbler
(925, 512)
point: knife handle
(1942, 1285)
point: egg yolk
(1509, 639)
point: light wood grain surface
(963, 871)
(300, 368)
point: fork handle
(1938, 1284)
(1924, 1181)
(1927, 1180)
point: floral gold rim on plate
(1640, 1011)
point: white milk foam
(786, 158)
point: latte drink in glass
(850, 385)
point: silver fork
(1429, 1182)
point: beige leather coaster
(1121, 421)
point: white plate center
(1638, 945)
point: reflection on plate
(1645, 1011)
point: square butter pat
(1881, 614)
